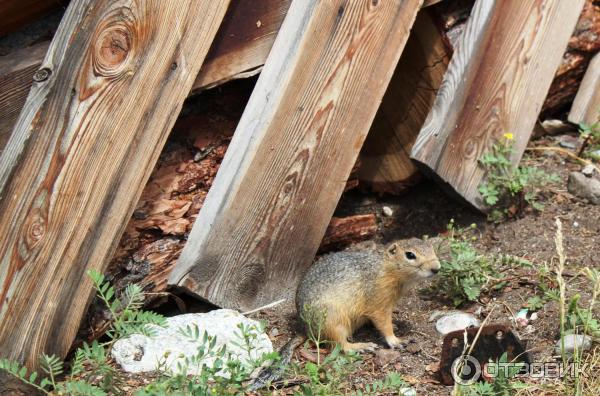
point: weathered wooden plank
(239, 50)
(385, 164)
(496, 83)
(586, 106)
(295, 145)
(16, 77)
(243, 41)
(116, 75)
(14, 14)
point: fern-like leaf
(80, 388)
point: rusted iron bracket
(493, 341)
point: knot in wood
(470, 148)
(42, 74)
(113, 46)
(35, 230)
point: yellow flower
(508, 136)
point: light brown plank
(586, 106)
(385, 164)
(288, 162)
(81, 152)
(496, 83)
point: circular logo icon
(466, 370)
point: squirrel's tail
(275, 371)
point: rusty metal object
(493, 341)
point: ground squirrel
(353, 287)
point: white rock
(408, 392)
(588, 170)
(582, 342)
(139, 353)
(455, 320)
(387, 211)
(534, 316)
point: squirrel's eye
(410, 256)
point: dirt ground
(426, 210)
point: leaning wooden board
(496, 83)
(108, 93)
(586, 106)
(293, 149)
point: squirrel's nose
(435, 270)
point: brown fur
(354, 288)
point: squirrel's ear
(393, 249)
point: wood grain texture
(496, 83)
(14, 14)
(288, 162)
(81, 152)
(243, 41)
(385, 164)
(586, 106)
(240, 48)
(16, 77)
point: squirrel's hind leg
(340, 334)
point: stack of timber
(75, 164)
(83, 121)
(496, 83)
(293, 150)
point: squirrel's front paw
(393, 341)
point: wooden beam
(243, 41)
(15, 14)
(586, 106)
(108, 93)
(16, 77)
(385, 164)
(239, 50)
(496, 83)
(294, 148)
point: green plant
(507, 189)
(591, 140)
(392, 382)
(314, 319)
(91, 374)
(535, 303)
(466, 273)
(127, 316)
